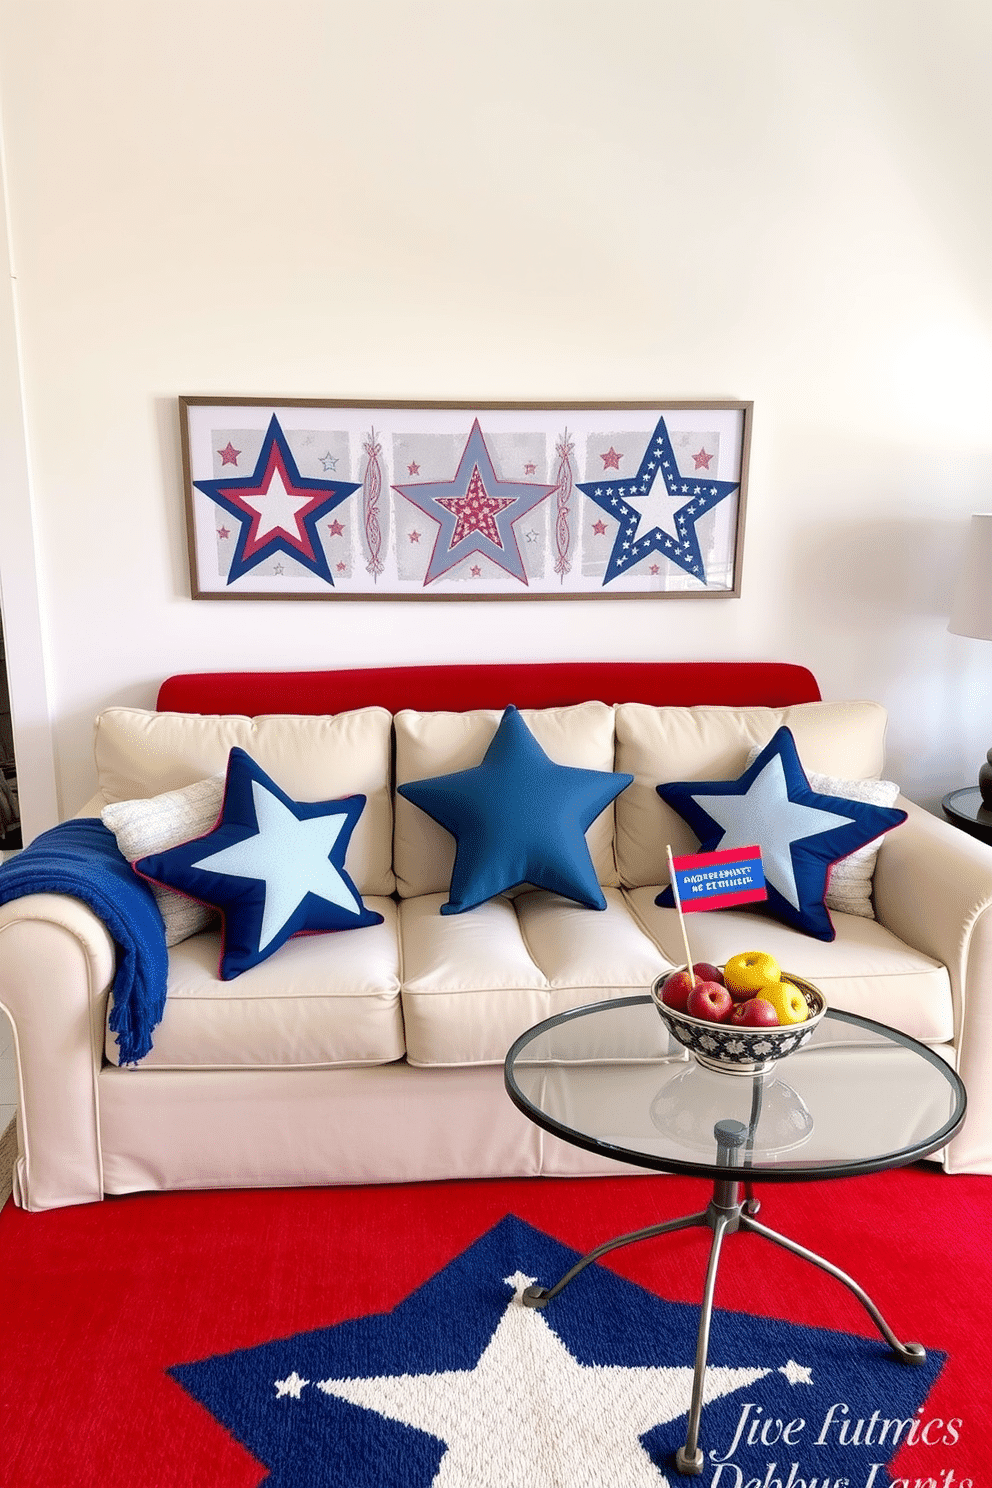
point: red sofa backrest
(527, 684)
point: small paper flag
(717, 880)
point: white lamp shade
(972, 613)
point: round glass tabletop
(859, 1097)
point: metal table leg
(725, 1213)
(906, 1353)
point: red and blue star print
(276, 508)
(475, 511)
(657, 515)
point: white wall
(20, 611)
(785, 201)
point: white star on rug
(291, 1385)
(530, 1413)
(796, 1374)
(290, 856)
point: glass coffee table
(858, 1098)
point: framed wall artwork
(319, 499)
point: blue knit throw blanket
(81, 858)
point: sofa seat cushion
(320, 1000)
(865, 970)
(473, 982)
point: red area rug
(99, 1303)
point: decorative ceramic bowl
(736, 1050)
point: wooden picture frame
(326, 499)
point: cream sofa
(376, 1055)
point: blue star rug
(375, 1338)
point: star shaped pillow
(274, 867)
(518, 818)
(800, 832)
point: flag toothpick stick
(678, 906)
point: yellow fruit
(750, 971)
(787, 1000)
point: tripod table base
(729, 1210)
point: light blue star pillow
(518, 818)
(801, 833)
(274, 867)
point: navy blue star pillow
(801, 833)
(274, 867)
(518, 818)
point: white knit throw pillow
(161, 822)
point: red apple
(757, 1012)
(675, 990)
(709, 1001)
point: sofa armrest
(56, 968)
(933, 889)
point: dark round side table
(965, 809)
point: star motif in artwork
(529, 468)
(329, 461)
(611, 460)
(657, 509)
(223, 532)
(341, 568)
(414, 536)
(277, 509)
(701, 460)
(413, 468)
(599, 528)
(335, 528)
(613, 1405)
(229, 455)
(796, 1374)
(278, 569)
(475, 511)
(476, 571)
(654, 569)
